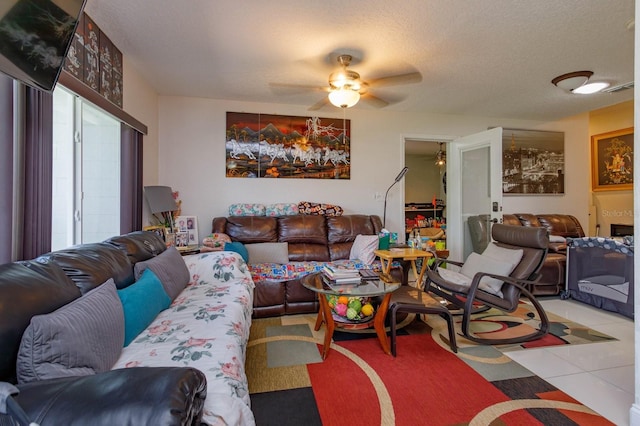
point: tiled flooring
(599, 375)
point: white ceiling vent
(619, 87)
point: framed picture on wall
(532, 162)
(612, 160)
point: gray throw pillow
(268, 253)
(170, 269)
(81, 338)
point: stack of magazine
(341, 274)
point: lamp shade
(344, 97)
(160, 199)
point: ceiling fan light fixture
(344, 97)
(573, 80)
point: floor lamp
(398, 179)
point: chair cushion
(268, 252)
(513, 256)
(479, 263)
(363, 248)
(81, 338)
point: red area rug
(426, 384)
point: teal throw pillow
(142, 301)
(239, 248)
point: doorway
(425, 183)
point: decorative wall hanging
(532, 162)
(95, 60)
(279, 146)
(612, 160)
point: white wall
(192, 159)
(423, 180)
(141, 102)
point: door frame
(427, 138)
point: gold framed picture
(612, 160)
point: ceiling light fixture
(577, 82)
(345, 85)
(572, 80)
(344, 97)
(441, 157)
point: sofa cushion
(90, 265)
(247, 209)
(302, 229)
(268, 252)
(215, 241)
(140, 245)
(281, 209)
(238, 247)
(141, 303)
(81, 338)
(27, 289)
(342, 229)
(363, 248)
(306, 207)
(252, 229)
(170, 269)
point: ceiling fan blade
(296, 88)
(322, 102)
(374, 100)
(409, 78)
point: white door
(474, 174)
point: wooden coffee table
(369, 288)
(409, 254)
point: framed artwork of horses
(281, 146)
(612, 160)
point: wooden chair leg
(394, 310)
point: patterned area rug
(425, 384)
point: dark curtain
(130, 179)
(6, 168)
(38, 168)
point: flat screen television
(35, 36)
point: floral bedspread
(206, 327)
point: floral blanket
(206, 327)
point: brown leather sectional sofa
(310, 238)
(552, 281)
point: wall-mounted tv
(34, 38)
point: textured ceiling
(489, 58)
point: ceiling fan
(346, 87)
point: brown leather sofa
(552, 280)
(310, 238)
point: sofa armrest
(129, 396)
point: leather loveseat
(560, 227)
(311, 239)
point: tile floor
(599, 375)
